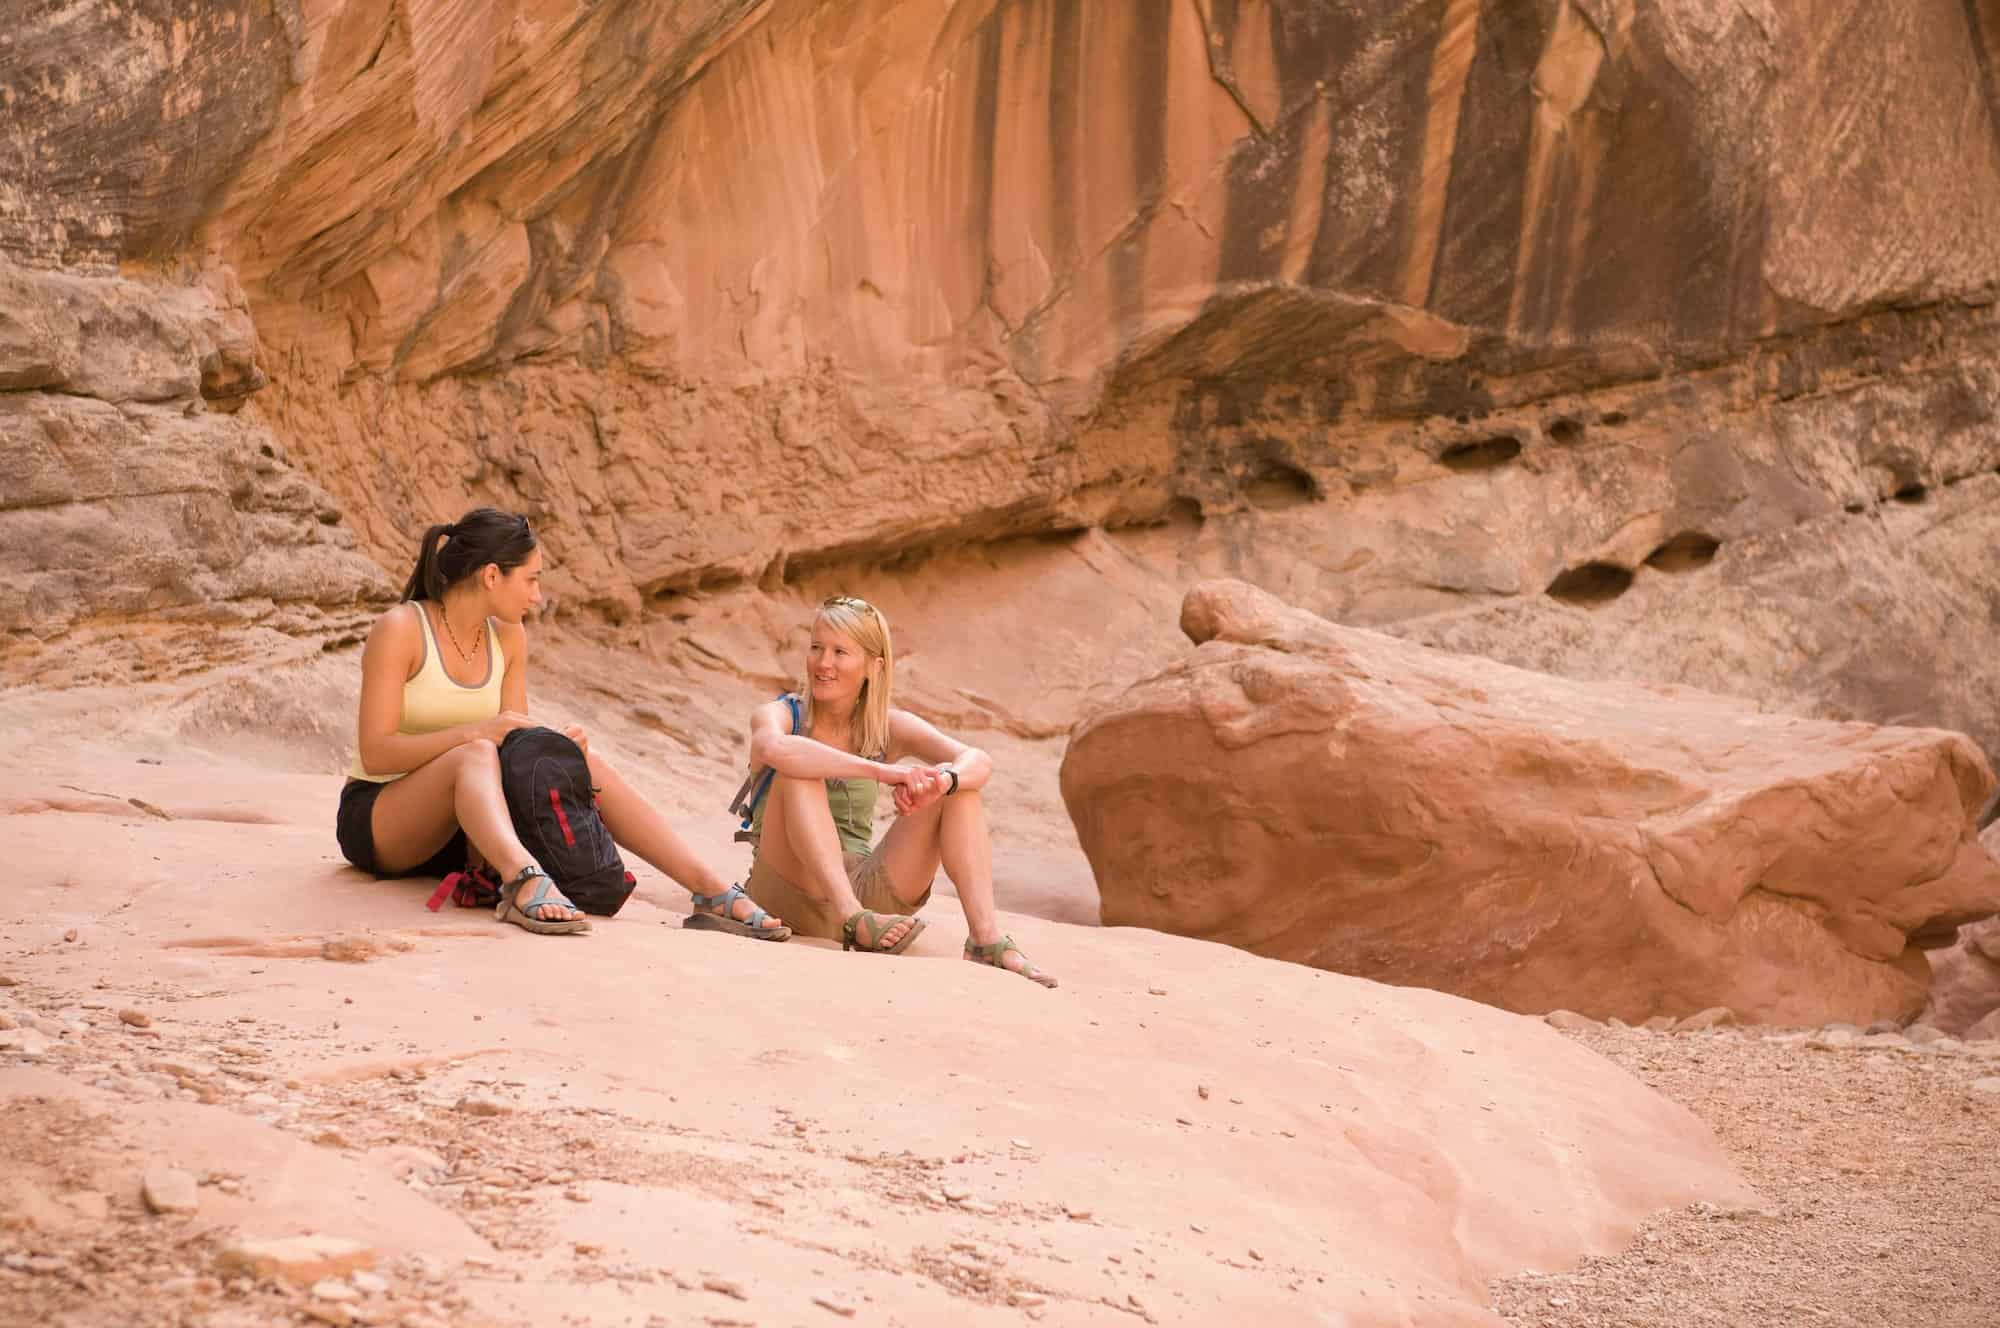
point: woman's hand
(496, 729)
(924, 786)
(575, 734)
(900, 779)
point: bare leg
(635, 823)
(414, 817)
(803, 846)
(951, 832)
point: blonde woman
(822, 753)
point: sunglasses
(847, 602)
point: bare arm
(912, 736)
(393, 654)
(773, 744)
(514, 682)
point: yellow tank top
(433, 701)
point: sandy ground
(1879, 1164)
(655, 1126)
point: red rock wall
(1614, 338)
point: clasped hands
(918, 786)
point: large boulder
(1348, 800)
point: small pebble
(136, 1018)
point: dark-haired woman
(828, 748)
(444, 679)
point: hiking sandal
(725, 920)
(523, 916)
(996, 955)
(878, 925)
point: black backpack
(549, 795)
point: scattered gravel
(1879, 1164)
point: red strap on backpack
(555, 801)
(466, 889)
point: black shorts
(355, 828)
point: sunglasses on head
(846, 602)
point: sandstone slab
(1354, 802)
(300, 1260)
(1349, 1113)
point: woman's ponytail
(426, 581)
(449, 554)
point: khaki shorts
(808, 916)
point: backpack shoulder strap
(751, 792)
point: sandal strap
(881, 925)
(851, 927)
(996, 955)
(724, 903)
(540, 899)
(721, 900)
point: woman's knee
(790, 787)
(476, 756)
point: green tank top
(853, 805)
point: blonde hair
(868, 627)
